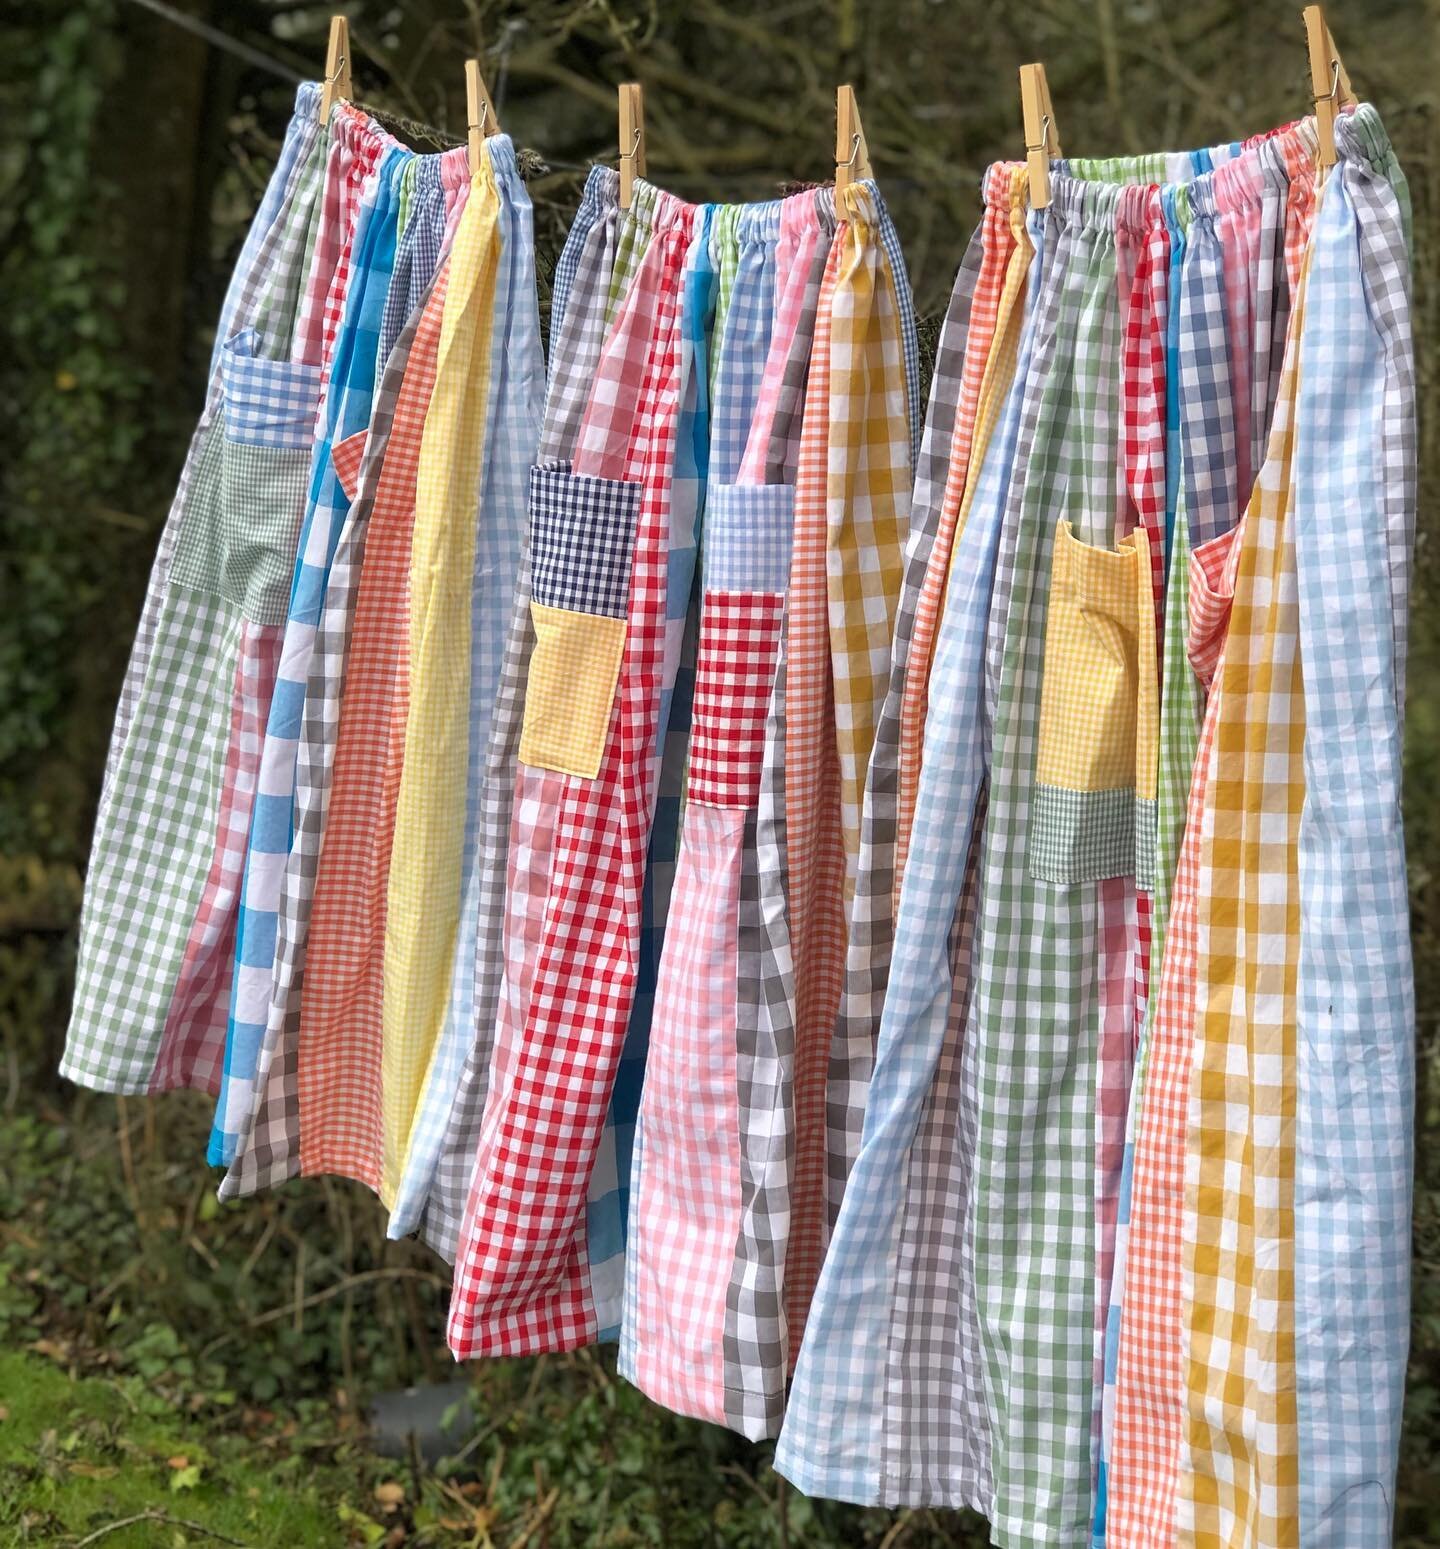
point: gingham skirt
(954, 1352)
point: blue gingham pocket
(269, 403)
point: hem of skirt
(691, 1409)
(406, 1219)
(325, 1166)
(1022, 1535)
(829, 1484)
(69, 1071)
(899, 1492)
(440, 1232)
(231, 1187)
(487, 1342)
(879, 1489)
(762, 1430)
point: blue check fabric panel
(1207, 406)
(743, 341)
(1355, 999)
(346, 411)
(517, 386)
(267, 402)
(597, 206)
(748, 532)
(909, 334)
(840, 1434)
(300, 137)
(417, 254)
(582, 539)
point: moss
(78, 1454)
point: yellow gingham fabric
(423, 903)
(1099, 715)
(570, 690)
(1239, 1467)
(867, 496)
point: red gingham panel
(1142, 379)
(521, 1273)
(735, 670)
(355, 150)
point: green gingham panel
(1034, 1018)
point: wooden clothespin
(336, 86)
(1042, 137)
(1328, 81)
(852, 152)
(632, 139)
(480, 118)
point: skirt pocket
(1096, 767)
(582, 538)
(243, 547)
(747, 570)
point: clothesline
(904, 930)
(438, 135)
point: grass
(79, 1455)
(162, 1353)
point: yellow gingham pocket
(573, 673)
(1096, 767)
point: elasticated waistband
(999, 186)
(750, 223)
(395, 161)
(1075, 202)
(807, 210)
(501, 150)
(861, 204)
(452, 167)
(602, 190)
(352, 127)
(1139, 209)
(670, 213)
(1227, 177)
(1239, 178)
(644, 197)
(759, 223)
(1267, 166)
(1360, 136)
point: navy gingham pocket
(582, 540)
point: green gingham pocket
(242, 521)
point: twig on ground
(166, 1520)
